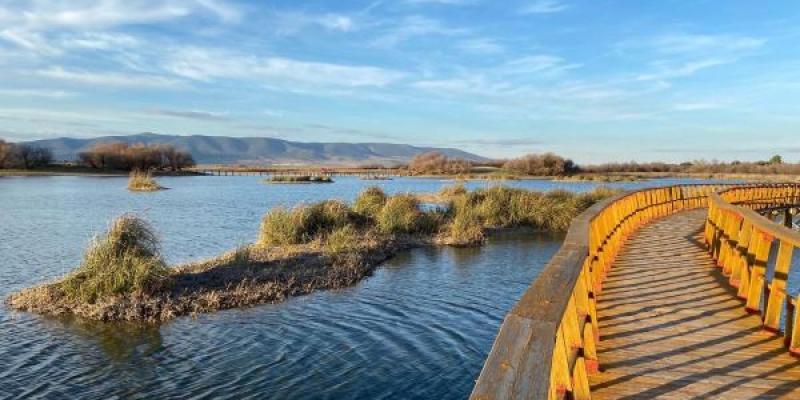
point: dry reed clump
(142, 181)
(465, 229)
(401, 214)
(304, 224)
(370, 201)
(125, 261)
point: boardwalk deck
(672, 328)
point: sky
(596, 81)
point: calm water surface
(420, 327)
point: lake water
(420, 327)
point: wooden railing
(546, 347)
(741, 241)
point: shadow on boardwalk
(672, 328)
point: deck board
(671, 328)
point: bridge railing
(546, 346)
(741, 241)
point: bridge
(677, 292)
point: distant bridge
(677, 292)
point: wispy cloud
(294, 22)
(443, 2)
(480, 46)
(83, 14)
(415, 26)
(208, 64)
(52, 94)
(109, 78)
(544, 7)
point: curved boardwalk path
(672, 328)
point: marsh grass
(142, 181)
(124, 261)
(303, 224)
(299, 179)
(400, 214)
(370, 201)
(342, 239)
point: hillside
(252, 150)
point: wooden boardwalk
(672, 328)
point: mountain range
(259, 150)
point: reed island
(331, 244)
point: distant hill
(261, 150)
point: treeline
(127, 157)
(773, 166)
(435, 162)
(547, 164)
(25, 156)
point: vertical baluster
(777, 288)
(758, 272)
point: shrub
(370, 201)
(342, 239)
(400, 214)
(435, 162)
(142, 181)
(125, 261)
(547, 164)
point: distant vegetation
(23, 156)
(128, 157)
(435, 162)
(774, 165)
(309, 247)
(547, 164)
(142, 181)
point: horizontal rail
(546, 346)
(741, 241)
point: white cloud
(208, 64)
(83, 14)
(190, 114)
(109, 78)
(544, 7)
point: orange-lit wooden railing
(741, 241)
(546, 345)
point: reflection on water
(419, 328)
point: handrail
(546, 346)
(741, 241)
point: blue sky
(597, 80)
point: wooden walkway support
(670, 292)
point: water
(420, 327)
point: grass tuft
(400, 214)
(125, 261)
(370, 201)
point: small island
(330, 244)
(299, 179)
